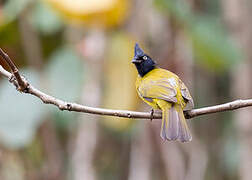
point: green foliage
(20, 114)
(179, 9)
(44, 19)
(65, 80)
(13, 8)
(9, 33)
(65, 74)
(231, 150)
(211, 45)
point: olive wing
(186, 95)
(157, 89)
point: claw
(12, 78)
(151, 115)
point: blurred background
(81, 50)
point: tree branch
(23, 86)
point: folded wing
(158, 89)
(186, 95)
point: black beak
(135, 61)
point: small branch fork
(22, 85)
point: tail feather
(174, 125)
(184, 132)
(163, 130)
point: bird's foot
(151, 115)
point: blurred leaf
(101, 13)
(9, 33)
(65, 79)
(20, 114)
(51, 42)
(12, 8)
(179, 9)
(65, 74)
(45, 19)
(119, 78)
(231, 151)
(210, 42)
(12, 167)
(211, 45)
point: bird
(162, 89)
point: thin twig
(24, 86)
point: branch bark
(23, 86)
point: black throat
(144, 68)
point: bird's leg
(151, 114)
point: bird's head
(142, 61)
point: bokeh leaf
(65, 74)
(210, 42)
(9, 33)
(45, 19)
(178, 9)
(20, 114)
(119, 78)
(211, 45)
(13, 8)
(99, 13)
(230, 153)
(65, 79)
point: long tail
(174, 125)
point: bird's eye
(145, 58)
